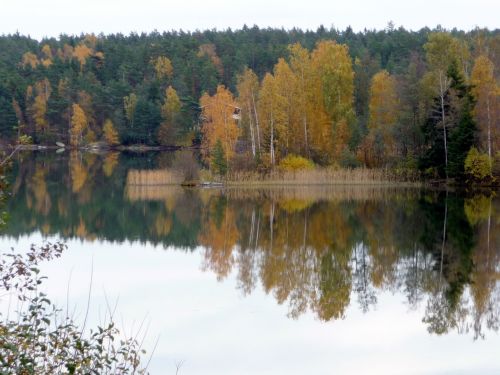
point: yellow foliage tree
(383, 115)
(82, 52)
(333, 90)
(30, 59)
(170, 111)
(163, 67)
(383, 104)
(129, 103)
(218, 122)
(110, 134)
(288, 89)
(248, 91)
(300, 63)
(39, 110)
(47, 52)
(78, 125)
(487, 109)
(272, 106)
(36, 100)
(86, 103)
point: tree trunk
(489, 125)
(444, 236)
(252, 132)
(256, 121)
(443, 88)
(272, 139)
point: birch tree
(441, 49)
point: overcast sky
(52, 17)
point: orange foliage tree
(379, 145)
(218, 122)
(487, 109)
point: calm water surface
(303, 280)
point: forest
(262, 99)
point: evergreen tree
(433, 153)
(219, 162)
(458, 107)
(463, 135)
(8, 119)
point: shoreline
(96, 147)
(323, 176)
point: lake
(279, 280)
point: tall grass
(315, 193)
(147, 177)
(326, 176)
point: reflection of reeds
(153, 185)
(293, 197)
(153, 177)
(314, 193)
(324, 176)
(165, 193)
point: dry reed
(317, 192)
(325, 176)
(151, 177)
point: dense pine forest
(256, 99)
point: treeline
(253, 97)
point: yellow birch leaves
(379, 144)
(487, 110)
(218, 122)
(110, 134)
(78, 125)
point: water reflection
(316, 249)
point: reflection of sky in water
(215, 330)
(232, 266)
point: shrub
(186, 164)
(242, 162)
(295, 163)
(431, 173)
(40, 339)
(25, 140)
(477, 166)
(263, 162)
(496, 165)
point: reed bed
(326, 176)
(152, 177)
(316, 193)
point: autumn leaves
(304, 107)
(327, 104)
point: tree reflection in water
(315, 249)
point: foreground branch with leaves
(42, 339)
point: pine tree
(219, 163)
(463, 135)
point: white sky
(52, 17)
